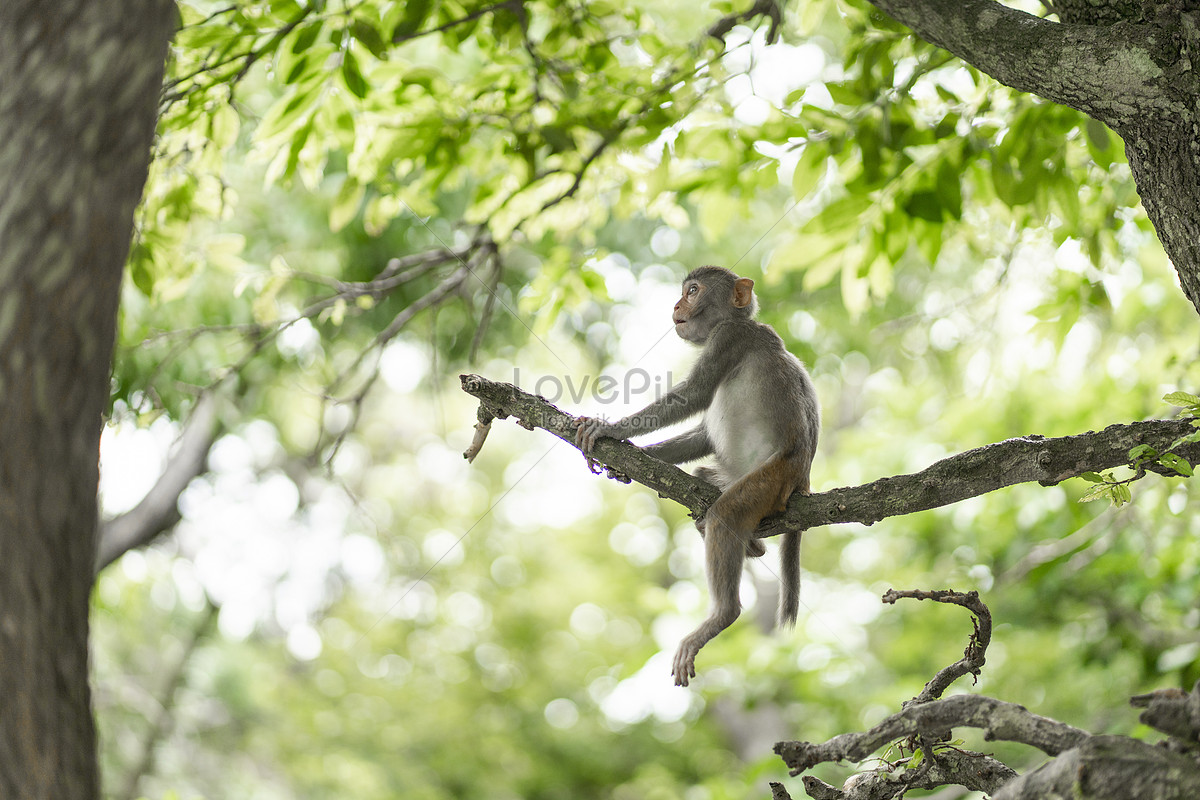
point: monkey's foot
(685, 660)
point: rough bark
(1132, 68)
(958, 477)
(1096, 12)
(77, 107)
(1084, 767)
(999, 720)
(1110, 768)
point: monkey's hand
(589, 429)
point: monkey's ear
(743, 292)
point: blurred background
(347, 608)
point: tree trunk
(78, 96)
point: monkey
(761, 422)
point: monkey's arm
(720, 354)
(685, 447)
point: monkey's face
(688, 316)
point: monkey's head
(710, 295)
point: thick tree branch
(1104, 767)
(974, 771)
(1114, 73)
(999, 720)
(968, 474)
(1172, 711)
(158, 511)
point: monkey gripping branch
(968, 474)
(1082, 765)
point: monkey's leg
(724, 551)
(754, 547)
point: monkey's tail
(789, 590)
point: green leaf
(415, 12)
(1142, 451)
(895, 237)
(841, 93)
(141, 269)
(1177, 463)
(298, 69)
(1094, 477)
(809, 170)
(1181, 399)
(369, 37)
(924, 204)
(283, 115)
(949, 189)
(1095, 493)
(421, 76)
(871, 148)
(345, 206)
(353, 76)
(306, 35)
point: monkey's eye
(691, 290)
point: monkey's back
(765, 400)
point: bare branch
(974, 771)
(974, 657)
(482, 428)
(1174, 712)
(515, 6)
(771, 9)
(999, 720)
(158, 512)
(968, 474)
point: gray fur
(758, 403)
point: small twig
(778, 792)
(489, 306)
(482, 429)
(771, 9)
(974, 657)
(512, 5)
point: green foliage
(1118, 491)
(956, 263)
